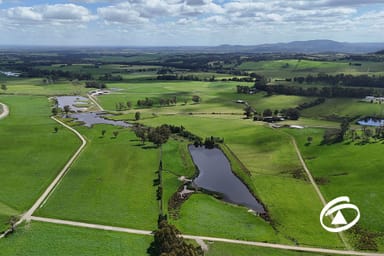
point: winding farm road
(95, 102)
(5, 112)
(313, 182)
(205, 238)
(27, 216)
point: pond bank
(216, 176)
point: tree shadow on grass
(150, 147)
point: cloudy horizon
(188, 22)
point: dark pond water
(215, 175)
(71, 101)
(371, 122)
(91, 118)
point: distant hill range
(312, 46)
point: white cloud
(197, 21)
(24, 14)
(122, 13)
(48, 14)
(69, 12)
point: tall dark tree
(67, 109)
(344, 126)
(159, 135)
(248, 111)
(137, 116)
(141, 132)
(168, 242)
(267, 112)
(196, 99)
(54, 111)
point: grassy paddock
(349, 169)
(118, 174)
(344, 107)
(225, 249)
(269, 155)
(44, 239)
(31, 154)
(293, 67)
(35, 86)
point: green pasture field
(31, 154)
(293, 67)
(351, 170)
(36, 86)
(45, 239)
(98, 70)
(128, 57)
(226, 249)
(111, 183)
(260, 101)
(40, 239)
(269, 155)
(344, 107)
(177, 162)
(204, 215)
(216, 97)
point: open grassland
(269, 155)
(216, 97)
(225, 249)
(43, 239)
(344, 107)
(111, 183)
(204, 215)
(177, 162)
(36, 86)
(350, 170)
(31, 154)
(293, 67)
(260, 101)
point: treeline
(209, 142)
(326, 91)
(310, 104)
(343, 80)
(54, 74)
(185, 77)
(110, 77)
(95, 84)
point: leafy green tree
(137, 116)
(196, 99)
(344, 126)
(103, 132)
(168, 242)
(248, 111)
(67, 109)
(4, 87)
(141, 132)
(159, 135)
(55, 111)
(267, 112)
(115, 133)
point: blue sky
(188, 22)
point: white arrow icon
(339, 218)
